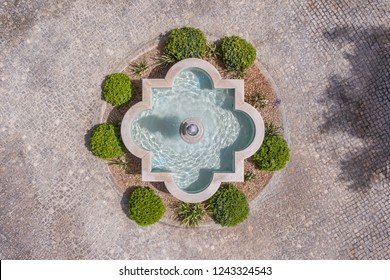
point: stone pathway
(330, 63)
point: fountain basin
(192, 130)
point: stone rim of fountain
(146, 156)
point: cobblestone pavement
(330, 61)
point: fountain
(192, 130)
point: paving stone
(330, 62)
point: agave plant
(249, 176)
(211, 50)
(259, 101)
(191, 214)
(166, 60)
(121, 162)
(272, 130)
(140, 68)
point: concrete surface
(330, 61)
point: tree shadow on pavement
(359, 105)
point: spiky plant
(140, 68)
(272, 130)
(259, 101)
(166, 60)
(211, 50)
(121, 162)
(249, 176)
(239, 74)
(191, 214)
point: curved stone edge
(282, 117)
(275, 178)
(146, 156)
(146, 47)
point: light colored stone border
(146, 156)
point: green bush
(229, 206)
(191, 214)
(273, 154)
(118, 89)
(186, 42)
(145, 207)
(106, 141)
(237, 54)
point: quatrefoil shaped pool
(192, 130)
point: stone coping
(146, 156)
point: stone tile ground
(330, 62)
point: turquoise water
(225, 130)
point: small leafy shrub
(145, 206)
(106, 141)
(237, 53)
(259, 101)
(118, 89)
(273, 154)
(229, 205)
(272, 130)
(186, 42)
(191, 214)
(140, 68)
(249, 176)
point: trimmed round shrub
(145, 206)
(237, 53)
(186, 42)
(273, 154)
(106, 141)
(229, 206)
(118, 89)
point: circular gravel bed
(129, 176)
